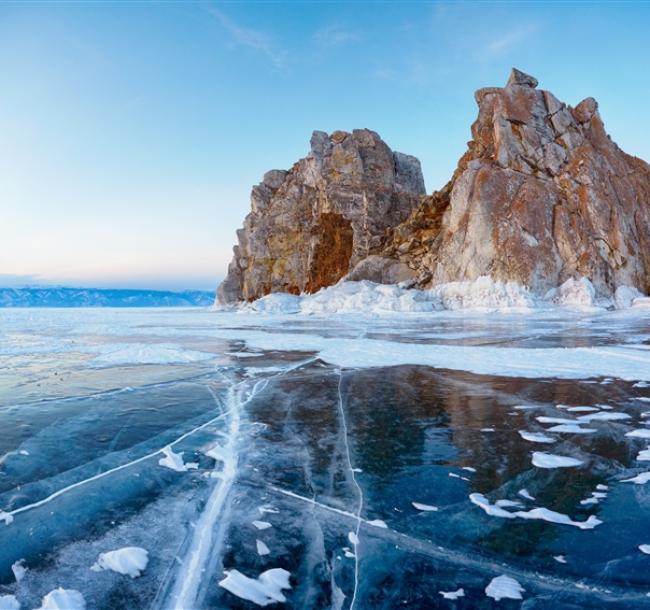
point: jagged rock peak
(517, 77)
(309, 225)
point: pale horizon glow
(132, 133)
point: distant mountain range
(100, 297)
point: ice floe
(571, 429)
(424, 507)
(63, 599)
(536, 437)
(129, 561)
(261, 525)
(542, 514)
(174, 461)
(262, 549)
(645, 548)
(639, 433)
(9, 602)
(549, 460)
(453, 594)
(609, 416)
(264, 590)
(504, 587)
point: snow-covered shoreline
(482, 294)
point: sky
(131, 133)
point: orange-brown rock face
(310, 224)
(542, 195)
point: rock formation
(541, 195)
(309, 225)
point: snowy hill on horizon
(102, 297)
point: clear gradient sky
(131, 133)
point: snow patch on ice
(6, 517)
(549, 460)
(639, 433)
(9, 602)
(525, 494)
(535, 437)
(560, 558)
(262, 525)
(453, 594)
(63, 599)
(129, 561)
(504, 587)
(262, 549)
(424, 507)
(378, 523)
(571, 429)
(174, 461)
(645, 548)
(639, 479)
(264, 590)
(19, 570)
(147, 353)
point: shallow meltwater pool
(196, 459)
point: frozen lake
(329, 461)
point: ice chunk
(19, 570)
(353, 538)
(268, 509)
(601, 487)
(535, 437)
(603, 417)
(469, 468)
(424, 507)
(524, 494)
(576, 293)
(549, 460)
(504, 587)
(262, 549)
(642, 398)
(174, 461)
(543, 419)
(277, 303)
(639, 479)
(264, 590)
(560, 558)
(453, 594)
(644, 455)
(63, 599)
(639, 433)
(571, 429)
(262, 525)
(9, 602)
(645, 548)
(581, 409)
(377, 523)
(129, 561)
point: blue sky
(131, 133)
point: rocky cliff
(308, 226)
(541, 195)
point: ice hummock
(63, 599)
(129, 561)
(504, 587)
(264, 590)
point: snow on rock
(130, 561)
(63, 599)
(453, 594)
(9, 602)
(549, 460)
(174, 461)
(504, 587)
(262, 549)
(264, 590)
(576, 293)
(19, 570)
(542, 514)
(536, 437)
(424, 507)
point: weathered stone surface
(309, 226)
(542, 195)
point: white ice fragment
(644, 455)
(63, 599)
(23, 452)
(174, 461)
(549, 460)
(264, 590)
(543, 514)
(487, 430)
(560, 558)
(377, 523)
(469, 468)
(525, 407)
(544, 419)
(642, 398)
(535, 437)
(262, 549)
(641, 384)
(453, 594)
(262, 525)
(639, 479)
(603, 417)
(581, 409)
(19, 570)
(129, 561)
(524, 494)
(9, 602)
(504, 587)
(353, 538)
(645, 548)
(268, 509)
(506, 503)
(424, 507)
(639, 433)
(571, 429)
(588, 501)
(601, 487)
(8, 518)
